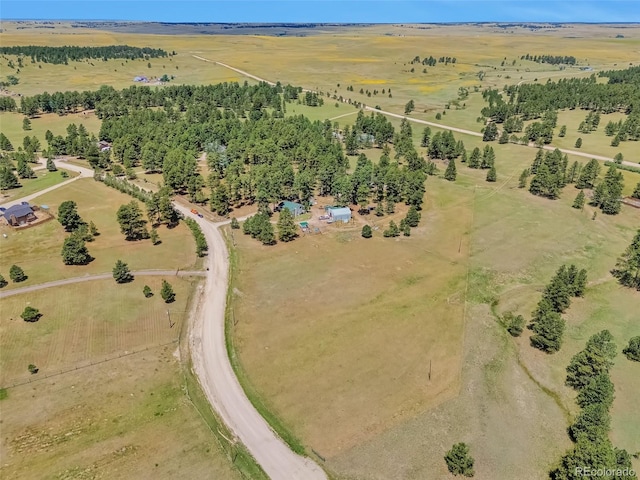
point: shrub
(459, 462)
(30, 314)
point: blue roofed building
(19, 215)
(340, 214)
(295, 208)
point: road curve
(100, 276)
(213, 368)
(83, 173)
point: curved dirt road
(100, 276)
(212, 365)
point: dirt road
(212, 365)
(100, 276)
(425, 122)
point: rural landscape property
(323, 251)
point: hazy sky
(375, 11)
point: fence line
(37, 377)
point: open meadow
(109, 398)
(376, 355)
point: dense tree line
(588, 373)
(550, 59)
(431, 61)
(198, 235)
(62, 55)
(547, 324)
(531, 101)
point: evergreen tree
(51, 167)
(93, 230)
(459, 461)
(522, 182)
(579, 201)
(563, 131)
(286, 226)
(490, 132)
(596, 358)
(147, 291)
(16, 274)
(392, 231)
(589, 174)
(474, 159)
(31, 314)
(631, 351)
(234, 223)
(608, 193)
(132, 225)
(74, 250)
(599, 390)
(7, 179)
(121, 272)
(424, 142)
(266, 235)
(24, 170)
(636, 192)
(548, 331)
(578, 143)
(366, 232)
(153, 235)
(491, 175)
(627, 269)
(68, 216)
(5, 144)
(450, 173)
(167, 293)
(3, 282)
(413, 217)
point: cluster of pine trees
(74, 250)
(62, 55)
(550, 59)
(431, 61)
(623, 130)
(588, 374)
(590, 123)
(547, 324)
(531, 101)
(627, 269)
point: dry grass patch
(356, 322)
(127, 418)
(72, 333)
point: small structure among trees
(339, 214)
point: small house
(140, 79)
(295, 208)
(340, 214)
(19, 215)
(104, 146)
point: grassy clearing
(12, 125)
(69, 334)
(37, 249)
(125, 418)
(354, 323)
(44, 179)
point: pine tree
(3, 282)
(474, 159)
(121, 272)
(366, 232)
(167, 293)
(51, 167)
(413, 217)
(234, 223)
(522, 182)
(578, 143)
(7, 179)
(392, 231)
(636, 192)
(153, 235)
(579, 201)
(286, 226)
(459, 461)
(74, 250)
(548, 331)
(68, 216)
(627, 269)
(16, 274)
(450, 173)
(147, 291)
(93, 230)
(5, 144)
(491, 175)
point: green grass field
(44, 179)
(37, 249)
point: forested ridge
(64, 54)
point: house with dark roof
(295, 208)
(19, 215)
